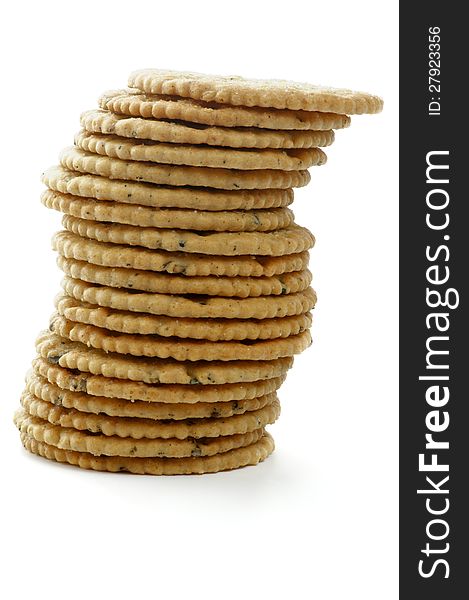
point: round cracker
(205, 307)
(202, 329)
(164, 283)
(291, 240)
(134, 103)
(200, 400)
(75, 159)
(170, 218)
(199, 155)
(74, 246)
(233, 459)
(78, 356)
(190, 414)
(138, 428)
(67, 438)
(101, 121)
(147, 194)
(182, 350)
(271, 93)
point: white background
(319, 518)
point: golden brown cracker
(235, 90)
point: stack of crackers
(186, 291)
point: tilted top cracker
(274, 93)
